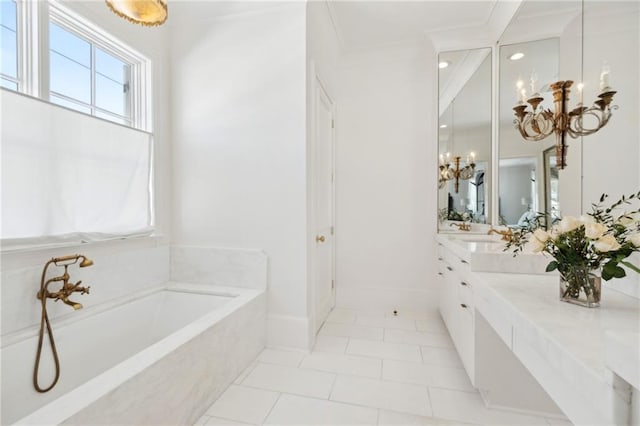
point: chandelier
(144, 12)
(455, 173)
(538, 123)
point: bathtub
(159, 358)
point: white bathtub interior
(92, 344)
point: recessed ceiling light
(443, 64)
(443, 126)
(516, 56)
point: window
(88, 70)
(86, 78)
(9, 26)
(67, 176)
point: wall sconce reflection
(456, 172)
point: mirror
(530, 61)
(464, 135)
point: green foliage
(573, 251)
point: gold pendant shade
(144, 12)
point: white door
(324, 253)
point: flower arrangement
(599, 240)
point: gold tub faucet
(62, 294)
(67, 288)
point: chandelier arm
(533, 122)
(576, 123)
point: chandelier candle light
(538, 123)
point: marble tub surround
(485, 253)
(174, 380)
(120, 268)
(563, 346)
(243, 268)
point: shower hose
(44, 321)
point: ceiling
(370, 24)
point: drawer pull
(450, 268)
(463, 261)
(463, 305)
(440, 258)
(463, 283)
(440, 273)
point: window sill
(23, 256)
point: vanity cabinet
(456, 305)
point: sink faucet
(462, 226)
(506, 235)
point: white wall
(238, 156)
(610, 156)
(386, 197)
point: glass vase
(580, 286)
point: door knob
(320, 239)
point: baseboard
(289, 332)
(488, 404)
(386, 299)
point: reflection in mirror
(464, 136)
(533, 56)
(521, 161)
(551, 181)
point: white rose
(627, 219)
(594, 230)
(634, 239)
(585, 218)
(606, 243)
(541, 235)
(568, 224)
(536, 245)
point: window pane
(111, 67)
(8, 11)
(9, 53)
(72, 105)
(110, 95)
(69, 78)
(8, 84)
(69, 45)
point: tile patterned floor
(365, 369)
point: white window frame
(19, 80)
(33, 55)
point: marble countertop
(569, 349)
(485, 253)
(532, 304)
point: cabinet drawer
(465, 294)
(465, 341)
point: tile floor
(365, 369)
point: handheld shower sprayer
(62, 294)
